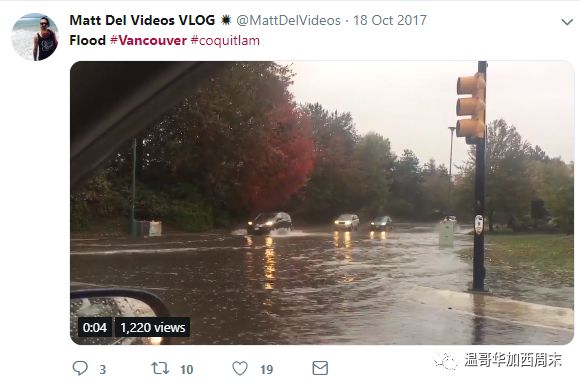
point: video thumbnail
(321, 202)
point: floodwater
(315, 286)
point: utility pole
(133, 224)
(451, 129)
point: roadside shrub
(190, 217)
(520, 224)
(79, 215)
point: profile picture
(35, 36)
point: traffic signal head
(473, 127)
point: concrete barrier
(155, 228)
(446, 233)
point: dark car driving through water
(264, 223)
(382, 223)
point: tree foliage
(553, 183)
(408, 194)
(375, 176)
(332, 185)
(437, 189)
(241, 140)
(241, 145)
(517, 172)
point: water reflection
(339, 287)
(344, 241)
(478, 319)
(269, 264)
(378, 235)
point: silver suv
(347, 221)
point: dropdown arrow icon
(567, 22)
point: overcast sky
(413, 103)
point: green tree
(374, 179)
(562, 206)
(408, 193)
(331, 187)
(463, 192)
(553, 182)
(436, 189)
(235, 140)
(240, 144)
(509, 187)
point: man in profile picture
(45, 40)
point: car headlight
(336, 222)
(372, 223)
(384, 223)
(270, 223)
(250, 223)
(347, 222)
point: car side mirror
(88, 305)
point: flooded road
(314, 286)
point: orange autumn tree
(281, 166)
(240, 142)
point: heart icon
(240, 367)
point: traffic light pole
(479, 227)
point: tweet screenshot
(288, 192)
